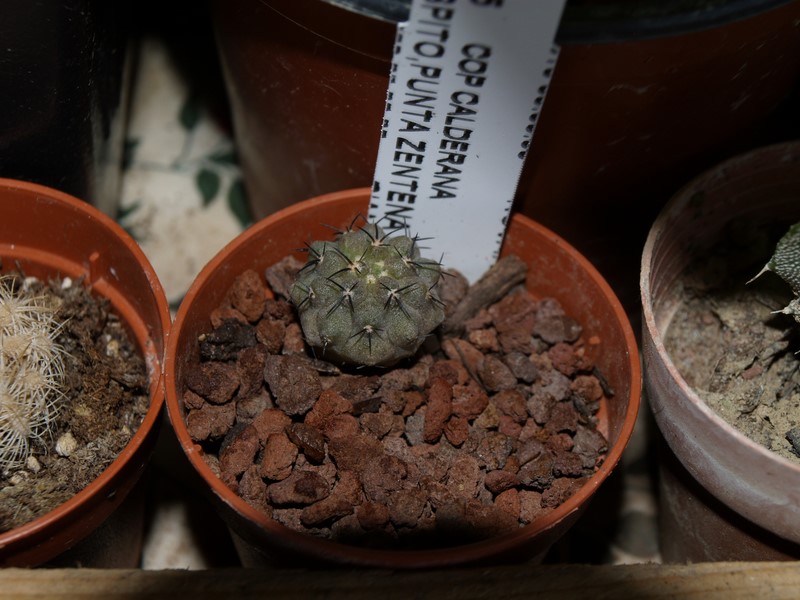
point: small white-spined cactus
(367, 297)
(31, 371)
(785, 262)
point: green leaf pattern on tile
(237, 202)
(190, 113)
(123, 212)
(208, 182)
(212, 173)
(224, 157)
(129, 151)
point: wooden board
(711, 580)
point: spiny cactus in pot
(785, 263)
(367, 297)
(31, 370)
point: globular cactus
(367, 297)
(785, 262)
(31, 371)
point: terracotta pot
(47, 233)
(726, 497)
(66, 81)
(556, 270)
(640, 100)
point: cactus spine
(31, 371)
(367, 297)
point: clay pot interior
(555, 269)
(749, 480)
(46, 233)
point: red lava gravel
(491, 426)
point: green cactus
(367, 297)
(785, 262)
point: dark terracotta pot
(642, 97)
(725, 497)
(47, 233)
(555, 269)
(65, 77)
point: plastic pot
(643, 96)
(50, 234)
(556, 270)
(723, 496)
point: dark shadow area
(174, 487)
(713, 528)
(65, 83)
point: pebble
(66, 444)
(482, 441)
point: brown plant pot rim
(596, 23)
(85, 242)
(326, 549)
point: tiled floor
(181, 195)
(183, 200)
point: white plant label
(467, 83)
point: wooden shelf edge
(705, 580)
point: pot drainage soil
(732, 349)
(106, 399)
(491, 426)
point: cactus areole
(367, 297)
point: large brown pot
(641, 98)
(49, 234)
(723, 496)
(555, 269)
